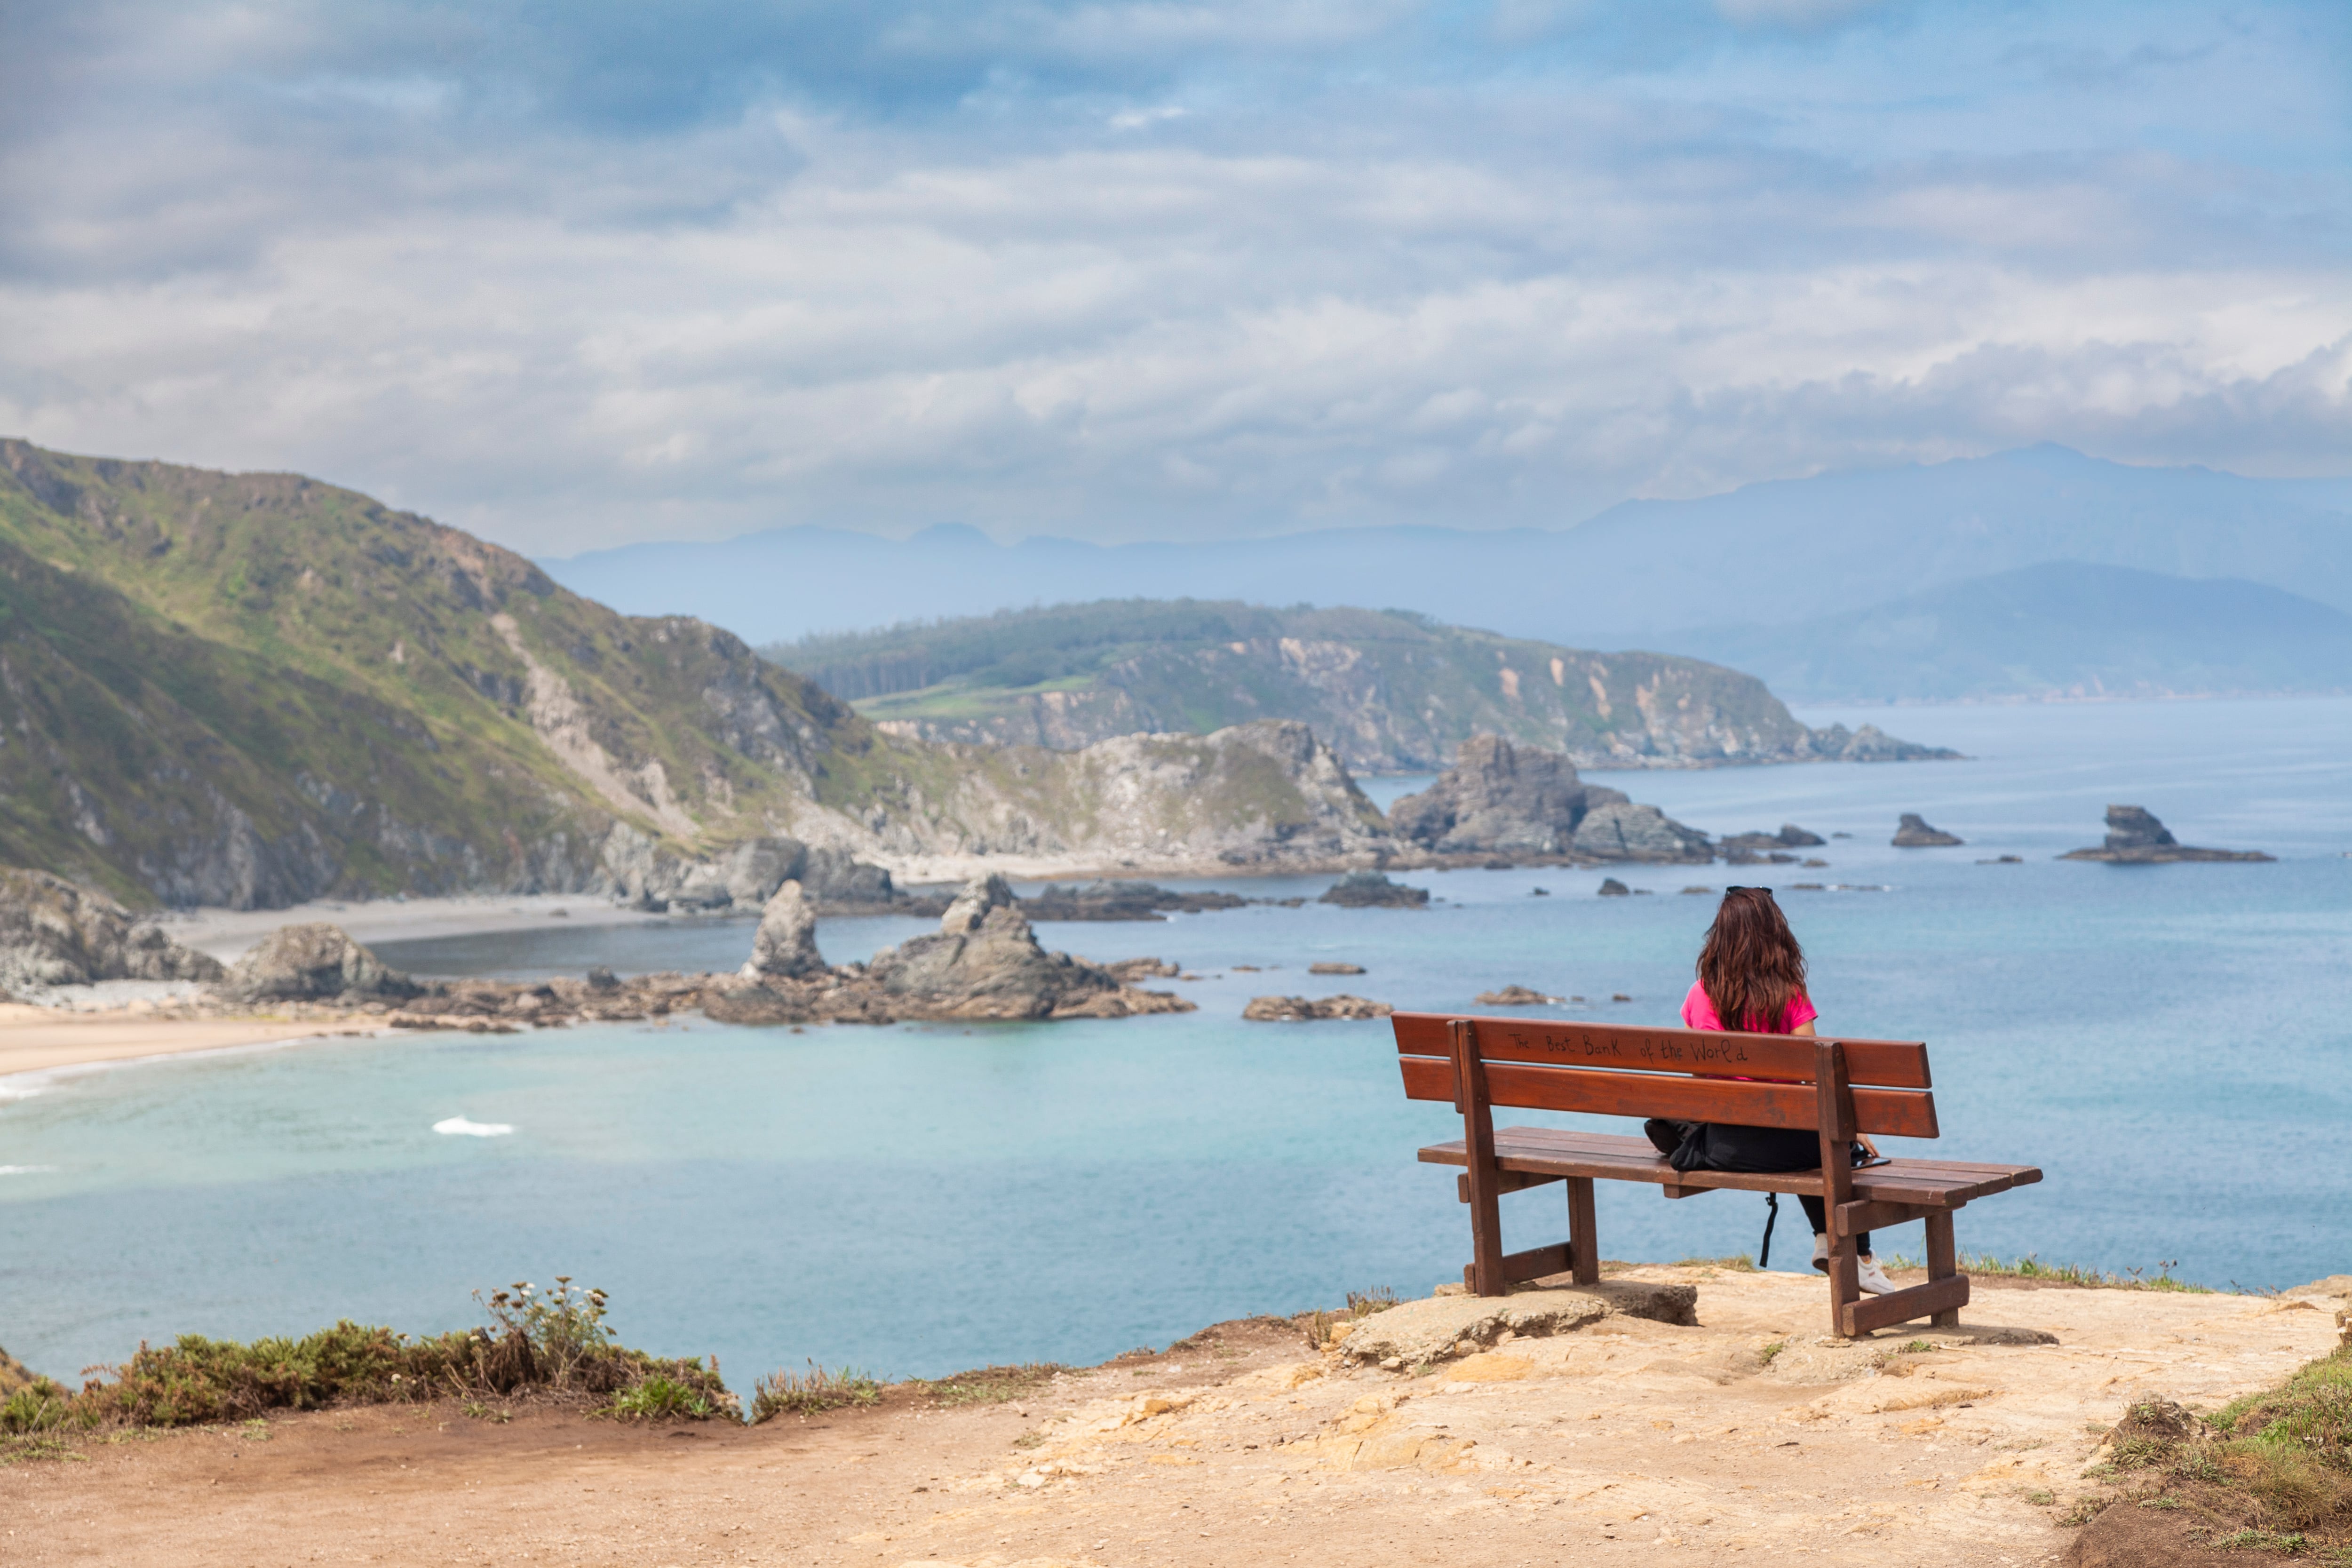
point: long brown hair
(1752, 965)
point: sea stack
(2134, 837)
(1913, 833)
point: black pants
(1715, 1146)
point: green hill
(1393, 691)
(255, 689)
(252, 689)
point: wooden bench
(1836, 1087)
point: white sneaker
(1821, 1253)
(1873, 1278)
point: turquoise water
(2170, 1043)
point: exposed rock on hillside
(1371, 890)
(1622, 831)
(1259, 794)
(55, 933)
(1301, 1010)
(2136, 837)
(315, 963)
(1913, 833)
(651, 875)
(1500, 799)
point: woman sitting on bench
(1751, 969)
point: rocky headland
(1518, 804)
(2134, 837)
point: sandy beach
(227, 933)
(42, 1039)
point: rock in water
(314, 963)
(1514, 997)
(971, 905)
(1127, 970)
(2136, 837)
(1790, 837)
(1611, 888)
(1300, 1010)
(785, 947)
(1373, 890)
(985, 963)
(1498, 798)
(1327, 968)
(1622, 831)
(1913, 833)
(53, 933)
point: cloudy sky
(575, 272)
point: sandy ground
(1613, 1442)
(41, 1040)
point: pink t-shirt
(1698, 1013)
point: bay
(2170, 1043)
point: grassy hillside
(1389, 689)
(251, 688)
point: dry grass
(806, 1393)
(2270, 1472)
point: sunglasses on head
(1766, 892)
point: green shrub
(659, 1397)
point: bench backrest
(1685, 1075)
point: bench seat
(1552, 1152)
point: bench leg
(1583, 1243)
(1943, 1262)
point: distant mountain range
(1641, 574)
(1389, 691)
(2062, 629)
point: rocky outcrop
(647, 874)
(1500, 799)
(1109, 900)
(1913, 833)
(1516, 996)
(2136, 837)
(314, 963)
(1611, 888)
(1329, 968)
(1263, 794)
(53, 933)
(1790, 837)
(784, 947)
(1623, 831)
(1373, 890)
(1301, 1010)
(1872, 744)
(983, 962)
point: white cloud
(1491, 299)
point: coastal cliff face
(1391, 692)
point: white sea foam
(24, 1170)
(458, 1126)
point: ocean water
(2173, 1044)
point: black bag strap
(1771, 1213)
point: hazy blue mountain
(1766, 553)
(2060, 629)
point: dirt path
(1604, 1444)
